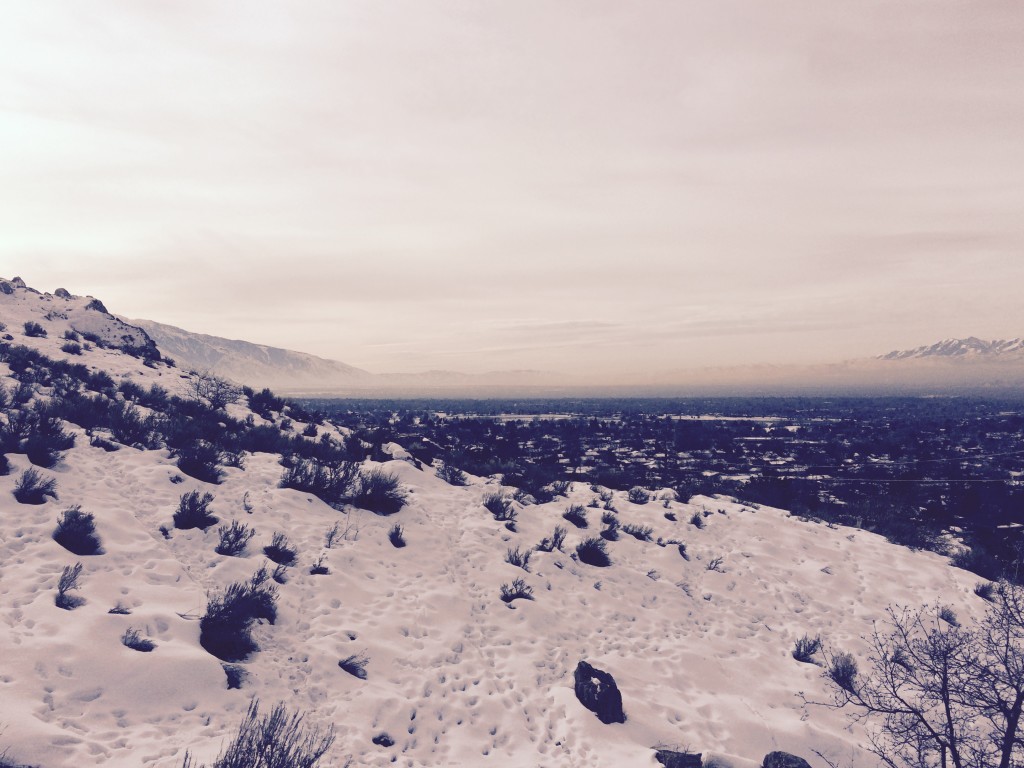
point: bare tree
(216, 391)
(941, 695)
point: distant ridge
(293, 372)
(972, 346)
(254, 364)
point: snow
(456, 677)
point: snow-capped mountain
(969, 348)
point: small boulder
(672, 759)
(784, 760)
(6, 288)
(62, 293)
(383, 739)
(597, 691)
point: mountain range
(948, 366)
(971, 348)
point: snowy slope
(254, 364)
(455, 677)
(60, 311)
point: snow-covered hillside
(254, 364)
(700, 645)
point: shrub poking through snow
(71, 348)
(560, 488)
(280, 550)
(34, 330)
(451, 474)
(332, 535)
(120, 609)
(842, 670)
(554, 541)
(638, 495)
(948, 615)
(682, 551)
(670, 516)
(576, 515)
(279, 574)
(396, 535)
(716, 564)
(33, 488)
(201, 460)
(194, 511)
(225, 630)
(986, 590)
(47, 441)
(519, 558)
(611, 532)
(355, 665)
(696, 520)
(332, 483)
(499, 505)
(805, 648)
(133, 639)
(641, 532)
(517, 590)
(76, 532)
(380, 492)
(233, 539)
(318, 568)
(279, 739)
(68, 582)
(593, 551)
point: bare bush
(517, 590)
(32, 488)
(194, 511)
(380, 492)
(519, 558)
(577, 515)
(276, 740)
(68, 582)
(805, 648)
(355, 665)
(233, 539)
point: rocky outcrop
(672, 759)
(598, 692)
(784, 760)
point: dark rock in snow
(62, 293)
(6, 287)
(672, 759)
(383, 740)
(784, 760)
(597, 691)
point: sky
(581, 186)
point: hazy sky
(584, 186)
